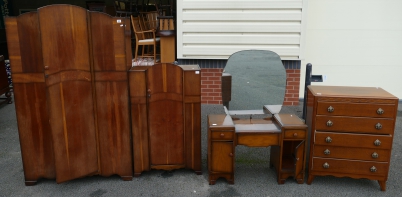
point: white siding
(355, 43)
(214, 29)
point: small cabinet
(221, 145)
(288, 158)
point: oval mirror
(258, 79)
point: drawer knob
(46, 67)
(327, 152)
(378, 126)
(374, 155)
(330, 109)
(230, 154)
(294, 134)
(325, 165)
(222, 135)
(329, 123)
(328, 139)
(380, 111)
(373, 169)
(377, 142)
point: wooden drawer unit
(351, 132)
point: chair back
(135, 23)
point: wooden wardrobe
(71, 92)
(166, 117)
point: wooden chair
(144, 38)
(123, 8)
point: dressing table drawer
(353, 140)
(367, 154)
(350, 166)
(356, 109)
(355, 124)
(222, 135)
(294, 134)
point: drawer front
(350, 166)
(355, 124)
(222, 135)
(353, 140)
(354, 153)
(356, 109)
(295, 134)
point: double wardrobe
(82, 109)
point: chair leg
(136, 52)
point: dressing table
(252, 118)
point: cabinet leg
(127, 178)
(137, 174)
(310, 179)
(281, 181)
(30, 183)
(382, 185)
(198, 172)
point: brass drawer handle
(327, 152)
(294, 134)
(373, 169)
(230, 154)
(222, 135)
(377, 142)
(328, 139)
(374, 155)
(330, 109)
(378, 126)
(325, 165)
(380, 111)
(329, 123)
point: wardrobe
(71, 92)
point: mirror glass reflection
(258, 79)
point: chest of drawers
(351, 132)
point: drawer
(356, 109)
(222, 135)
(295, 134)
(355, 124)
(368, 154)
(353, 140)
(350, 166)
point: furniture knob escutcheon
(373, 169)
(329, 123)
(328, 139)
(294, 134)
(325, 165)
(46, 67)
(374, 155)
(378, 126)
(327, 152)
(377, 142)
(380, 111)
(330, 109)
(222, 135)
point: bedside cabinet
(221, 135)
(351, 130)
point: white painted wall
(355, 43)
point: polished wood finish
(34, 131)
(166, 111)
(351, 131)
(72, 91)
(285, 133)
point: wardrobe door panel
(112, 104)
(30, 97)
(66, 59)
(165, 114)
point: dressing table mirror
(253, 90)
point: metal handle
(378, 126)
(329, 123)
(325, 165)
(380, 111)
(230, 154)
(46, 67)
(149, 93)
(222, 135)
(327, 152)
(373, 169)
(294, 134)
(330, 109)
(374, 155)
(328, 139)
(377, 142)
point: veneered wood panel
(112, 99)
(165, 114)
(65, 46)
(30, 97)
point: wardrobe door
(111, 85)
(165, 115)
(25, 53)
(66, 59)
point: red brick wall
(211, 86)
